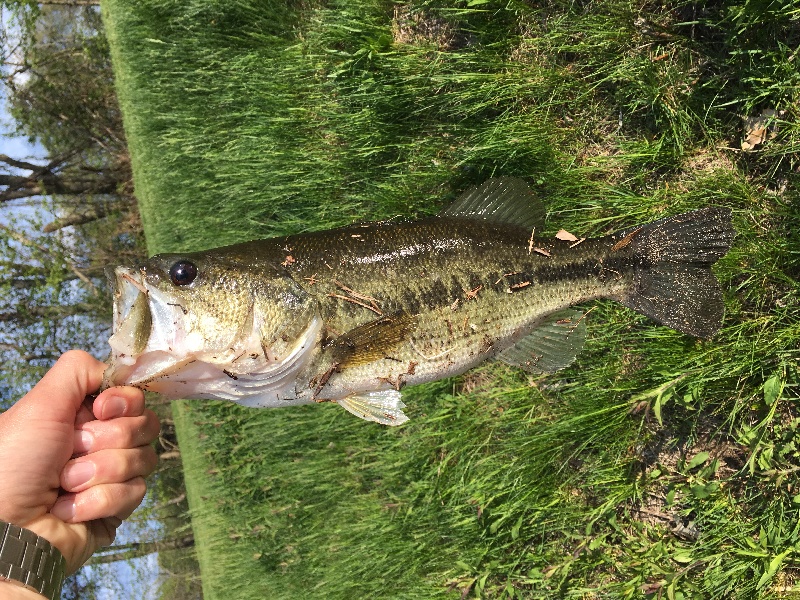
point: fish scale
(458, 325)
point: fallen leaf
(566, 236)
(758, 129)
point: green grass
(657, 465)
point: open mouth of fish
(132, 317)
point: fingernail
(113, 407)
(83, 442)
(78, 473)
(64, 508)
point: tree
(60, 87)
(57, 77)
(64, 217)
(57, 177)
(139, 549)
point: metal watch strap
(31, 561)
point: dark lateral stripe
(610, 267)
(437, 294)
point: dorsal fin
(551, 346)
(501, 200)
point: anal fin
(551, 346)
(384, 407)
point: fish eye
(183, 272)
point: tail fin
(673, 283)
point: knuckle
(109, 469)
(140, 463)
(153, 426)
(114, 434)
(104, 500)
(150, 460)
(129, 431)
(76, 360)
(138, 489)
(73, 356)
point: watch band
(30, 561)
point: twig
(354, 301)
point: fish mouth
(133, 320)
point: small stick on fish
(474, 292)
(576, 323)
(541, 251)
(184, 310)
(530, 241)
(507, 275)
(354, 301)
(434, 357)
(395, 383)
(580, 241)
(617, 274)
(135, 283)
(312, 280)
(625, 241)
(355, 294)
(323, 380)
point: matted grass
(657, 465)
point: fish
(352, 315)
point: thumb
(65, 386)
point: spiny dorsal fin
(501, 200)
(372, 341)
(552, 346)
(383, 407)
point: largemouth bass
(352, 315)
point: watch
(30, 561)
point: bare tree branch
(71, 3)
(27, 356)
(20, 164)
(77, 218)
(138, 549)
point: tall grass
(657, 465)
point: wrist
(29, 562)
(12, 591)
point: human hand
(69, 471)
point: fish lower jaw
(192, 377)
(250, 378)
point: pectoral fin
(552, 346)
(372, 341)
(383, 407)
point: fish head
(187, 324)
